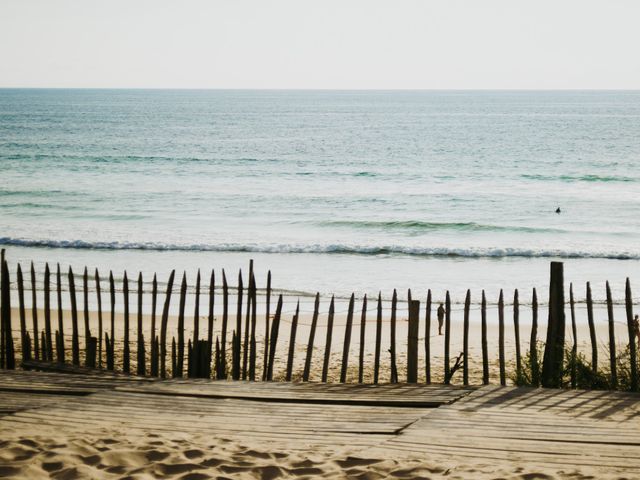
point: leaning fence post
(632, 336)
(554, 349)
(592, 330)
(327, 344)
(275, 326)
(266, 328)
(412, 341)
(347, 341)
(252, 340)
(312, 335)
(292, 343)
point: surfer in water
(558, 210)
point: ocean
(333, 191)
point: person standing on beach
(636, 328)
(440, 318)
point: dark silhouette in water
(558, 210)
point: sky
(328, 44)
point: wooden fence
(203, 356)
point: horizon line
(308, 89)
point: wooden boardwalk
(527, 426)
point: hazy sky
(422, 44)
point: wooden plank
(612, 340)
(552, 365)
(363, 321)
(485, 350)
(465, 339)
(34, 313)
(126, 366)
(376, 364)
(347, 340)
(447, 338)
(140, 358)
(99, 299)
(427, 339)
(633, 356)
(392, 348)
(503, 377)
(75, 346)
(47, 313)
(327, 343)
(412, 341)
(274, 338)
(292, 343)
(312, 335)
(163, 324)
(60, 348)
(592, 330)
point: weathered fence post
(245, 349)
(23, 320)
(312, 335)
(163, 324)
(632, 336)
(516, 328)
(427, 339)
(274, 339)
(2, 319)
(612, 340)
(126, 364)
(183, 299)
(5, 318)
(141, 360)
(447, 339)
(60, 334)
(412, 341)
(292, 343)
(574, 332)
(554, 349)
(392, 349)
(252, 337)
(266, 328)
(347, 341)
(533, 342)
(363, 320)
(592, 330)
(47, 313)
(485, 350)
(154, 342)
(112, 338)
(503, 377)
(34, 314)
(212, 283)
(75, 346)
(85, 297)
(222, 371)
(327, 344)
(235, 370)
(99, 298)
(465, 340)
(376, 361)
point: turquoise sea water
(332, 191)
